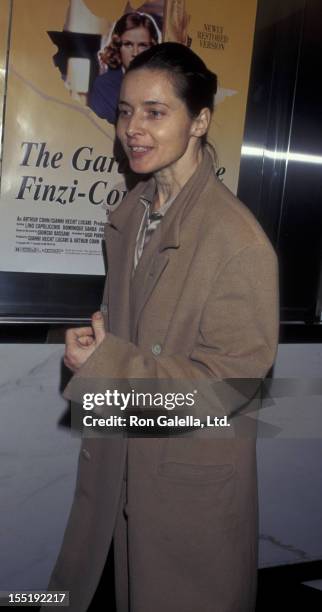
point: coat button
(156, 349)
(86, 454)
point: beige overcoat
(202, 304)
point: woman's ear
(201, 123)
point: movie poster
(61, 172)
(222, 34)
(4, 41)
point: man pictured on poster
(191, 296)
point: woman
(131, 34)
(192, 296)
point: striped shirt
(150, 221)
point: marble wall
(289, 465)
(38, 458)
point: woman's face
(154, 125)
(134, 42)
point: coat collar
(131, 205)
(185, 200)
(130, 210)
(128, 295)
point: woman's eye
(122, 112)
(155, 114)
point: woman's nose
(134, 125)
(135, 50)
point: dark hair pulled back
(194, 84)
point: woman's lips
(138, 151)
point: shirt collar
(147, 199)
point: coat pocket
(196, 459)
(198, 495)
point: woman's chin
(139, 167)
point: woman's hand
(81, 342)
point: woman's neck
(171, 180)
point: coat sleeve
(237, 337)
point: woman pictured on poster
(191, 296)
(131, 34)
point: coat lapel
(156, 255)
(146, 276)
(120, 235)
